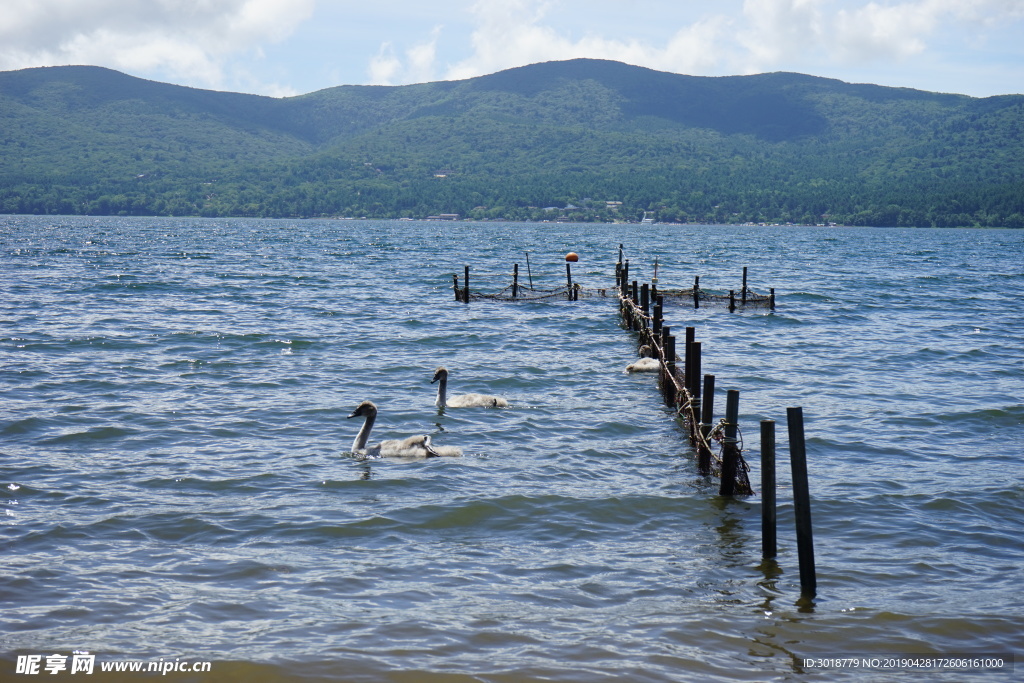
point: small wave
(94, 434)
(24, 426)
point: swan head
(440, 373)
(645, 352)
(364, 409)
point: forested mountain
(552, 140)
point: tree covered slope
(552, 140)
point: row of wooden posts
(462, 293)
(642, 309)
(692, 396)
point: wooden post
(670, 365)
(634, 296)
(515, 280)
(768, 536)
(693, 421)
(771, 299)
(625, 279)
(645, 302)
(528, 271)
(743, 294)
(801, 501)
(696, 291)
(730, 451)
(618, 275)
(455, 278)
(693, 370)
(658, 313)
(691, 334)
(568, 279)
(732, 300)
(706, 416)
(620, 254)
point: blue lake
(177, 481)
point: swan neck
(442, 391)
(364, 433)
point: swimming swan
(419, 446)
(646, 363)
(463, 400)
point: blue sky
(291, 47)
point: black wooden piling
(515, 280)
(743, 294)
(693, 370)
(771, 299)
(768, 535)
(691, 334)
(568, 279)
(706, 416)
(730, 449)
(801, 501)
(658, 314)
(666, 332)
(528, 271)
(696, 291)
(455, 278)
(625, 279)
(645, 301)
(465, 293)
(732, 300)
(634, 296)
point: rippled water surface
(177, 481)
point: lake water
(177, 483)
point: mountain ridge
(766, 147)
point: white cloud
(190, 40)
(856, 33)
(731, 36)
(511, 33)
(386, 68)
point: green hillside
(548, 141)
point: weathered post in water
(658, 314)
(693, 370)
(696, 291)
(645, 302)
(771, 299)
(691, 334)
(768, 531)
(465, 294)
(730, 450)
(801, 501)
(568, 279)
(707, 414)
(732, 300)
(743, 294)
(515, 280)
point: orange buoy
(572, 256)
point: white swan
(419, 446)
(647, 362)
(462, 400)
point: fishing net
(684, 297)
